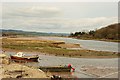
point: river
(89, 44)
(77, 63)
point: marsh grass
(49, 48)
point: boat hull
(55, 69)
(32, 59)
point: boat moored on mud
(65, 68)
(22, 57)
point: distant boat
(22, 57)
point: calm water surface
(89, 44)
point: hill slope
(110, 32)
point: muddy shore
(11, 69)
(92, 67)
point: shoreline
(91, 68)
(48, 54)
(106, 40)
(50, 47)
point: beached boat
(57, 68)
(22, 57)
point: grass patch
(49, 48)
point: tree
(92, 32)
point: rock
(2, 55)
(15, 70)
(5, 61)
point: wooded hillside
(110, 32)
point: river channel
(77, 63)
(89, 44)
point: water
(90, 44)
(77, 63)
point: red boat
(22, 57)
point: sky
(58, 17)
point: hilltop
(110, 32)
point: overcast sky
(61, 17)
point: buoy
(73, 69)
(69, 66)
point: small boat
(55, 69)
(65, 68)
(22, 57)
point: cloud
(32, 11)
(59, 25)
(50, 19)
